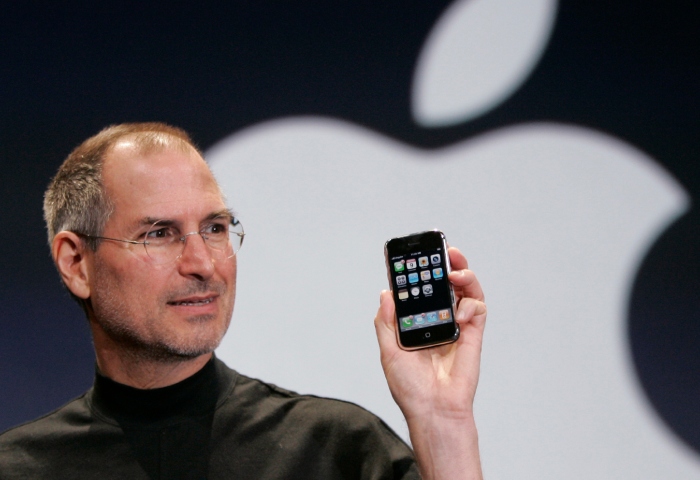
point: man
(143, 240)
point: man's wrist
(446, 447)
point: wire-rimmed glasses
(164, 243)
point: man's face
(179, 309)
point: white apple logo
(554, 219)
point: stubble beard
(115, 317)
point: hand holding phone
(418, 266)
(435, 387)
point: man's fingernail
(381, 297)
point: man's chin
(169, 353)
(173, 339)
(194, 343)
(188, 345)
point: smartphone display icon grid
(418, 306)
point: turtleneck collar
(196, 395)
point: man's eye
(215, 229)
(160, 233)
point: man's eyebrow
(224, 212)
(148, 221)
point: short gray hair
(76, 200)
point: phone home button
(427, 334)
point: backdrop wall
(554, 143)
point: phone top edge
(415, 234)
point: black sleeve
(269, 433)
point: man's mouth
(191, 303)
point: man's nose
(196, 258)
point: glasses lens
(236, 235)
(164, 243)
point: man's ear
(69, 255)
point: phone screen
(421, 289)
(418, 269)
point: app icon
(423, 262)
(413, 277)
(427, 289)
(411, 263)
(437, 273)
(432, 317)
(403, 294)
(398, 266)
(400, 280)
(425, 275)
(407, 321)
(415, 291)
(435, 259)
(444, 314)
(419, 319)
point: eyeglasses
(164, 243)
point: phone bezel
(436, 334)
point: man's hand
(435, 387)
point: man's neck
(148, 374)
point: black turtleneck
(168, 428)
(216, 424)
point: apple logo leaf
(477, 55)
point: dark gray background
(631, 69)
